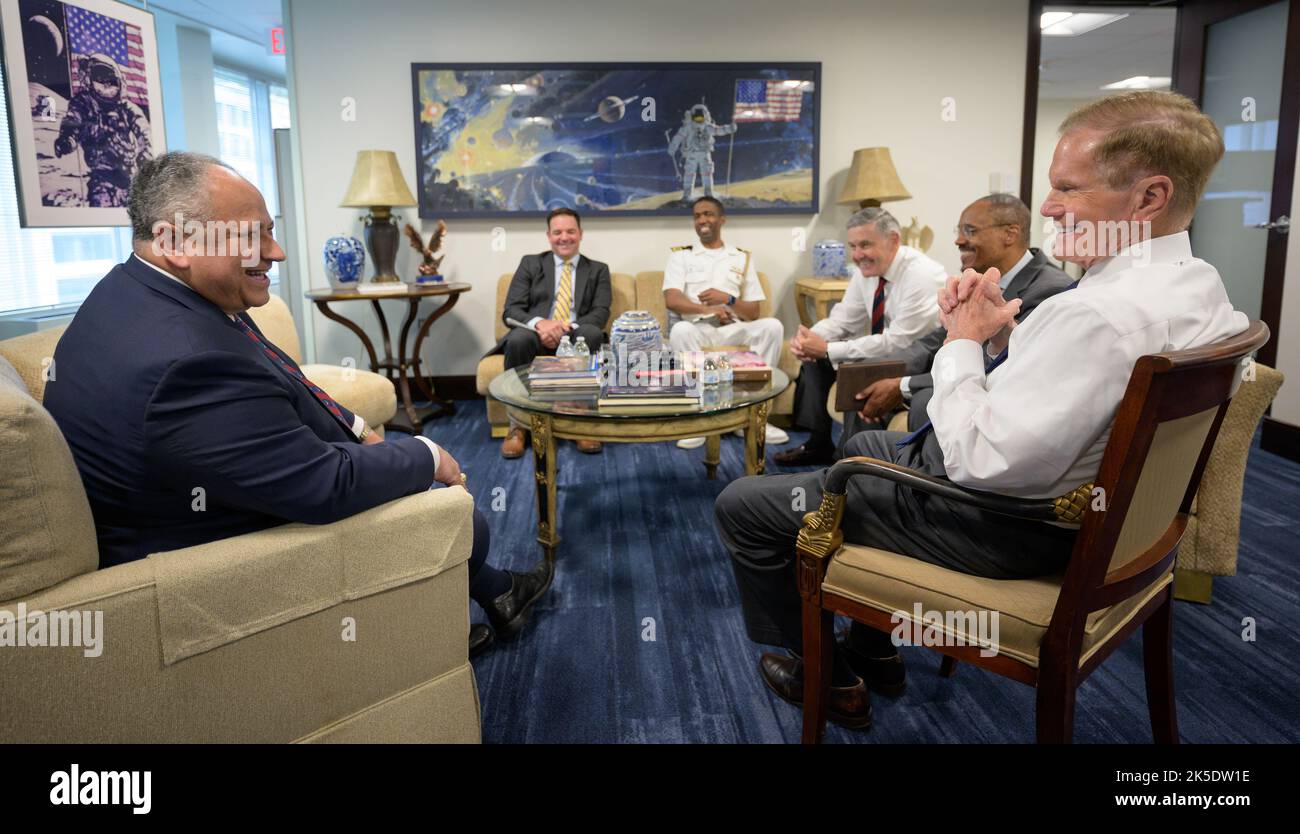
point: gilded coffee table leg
(544, 467)
(756, 439)
(712, 454)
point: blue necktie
(988, 369)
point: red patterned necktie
(292, 370)
(878, 307)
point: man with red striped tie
(890, 303)
(166, 385)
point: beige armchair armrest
(295, 632)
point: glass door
(1232, 60)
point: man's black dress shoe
(848, 706)
(886, 675)
(509, 612)
(804, 456)
(480, 639)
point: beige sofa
(622, 299)
(1209, 545)
(349, 632)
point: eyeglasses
(967, 230)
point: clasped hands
(717, 301)
(551, 331)
(807, 345)
(971, 306)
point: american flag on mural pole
(765, 100)
(90, 33)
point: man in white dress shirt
(890, 303)
(712, 293)
(1034, 424)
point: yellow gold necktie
(564, 296)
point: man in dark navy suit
(165, 385)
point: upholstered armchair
(355, 631)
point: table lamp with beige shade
(873, 180)
(378, 184)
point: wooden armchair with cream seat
(245, 639)
(1209, 546)
(622, 299)
(1054, 631)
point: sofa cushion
(47, 534)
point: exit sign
(277, 40)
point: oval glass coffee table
(742, 406)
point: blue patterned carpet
(640, 638)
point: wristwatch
(731, 300)
(365, 432)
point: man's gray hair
(878, 217)
(1007, 209)
(174, 183)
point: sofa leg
(1193, 585)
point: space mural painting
(82, 92)
(619, 139)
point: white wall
(886, 68)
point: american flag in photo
(763, 100)
(91, 32)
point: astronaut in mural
(695, 139)
(111, 130)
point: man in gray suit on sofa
(554, 294)
(993, 232)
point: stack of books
(648, 397)
(746, 366)
(555, 379)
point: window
(248, 109)
(44, 268)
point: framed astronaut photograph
(84, 103)
(494, 140)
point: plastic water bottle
(709, 373)
(726, 375)
(581, 349)
(565, 347)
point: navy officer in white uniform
(712, 293)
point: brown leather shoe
(513, 446)
(849, 706)
(803, 456)
(589, 447)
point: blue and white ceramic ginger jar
(635, 330)
(345, 261)
(828, 259)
